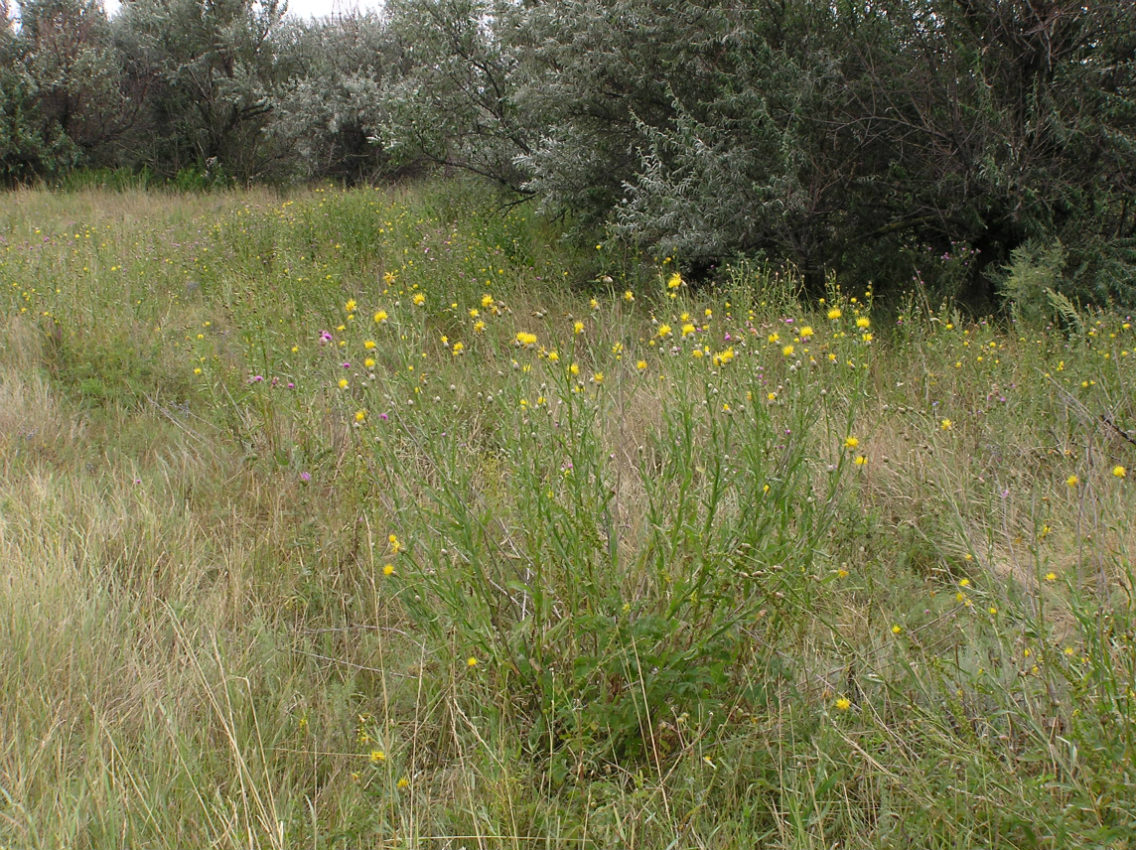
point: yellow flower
(378, 756)
(946, 424)
(897, 629)
(343, 383)
(574, 369)
(395, 544)
(381, 316)
(641, 365)
(628, 296)
(805, 332)
(598, 378)
(1072, 480)
(388, 569)
(369, 344)
(526, 339)
(403, 782)
(369, 363)
(843, 704)
(774, 337)
(578, 327)
(1119, 471)
(419, 299)
(851, 442)
(664, 331)
(863, 322)
(350, 306)
(787, 351)
(360, 416)
(1051, 576)
(835, 313)
(471, 662)
(458, 348)
(860, 460)
(486, 300)
(675, 281)
(687, 329)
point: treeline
(934, 143)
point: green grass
(665, 570)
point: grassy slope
(674, 573)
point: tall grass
(384, 518)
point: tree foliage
(59, 100)
(900, 140)
(907, 142)
(326, 118)
(206, 68)
(454, 100)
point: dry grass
(199, 645)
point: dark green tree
(24, 151)
(902, 141)
(60, 96)
(206, 69)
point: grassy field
(383, 519)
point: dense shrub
(911, 143)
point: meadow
(385, 518)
